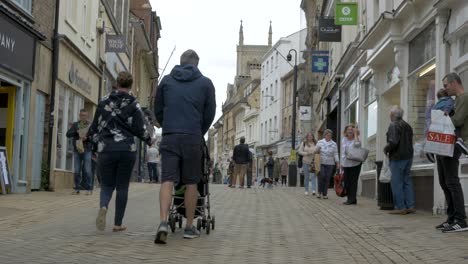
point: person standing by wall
(399, 150)
(284, 171)
(82, 153)
(351, 168)
(307, 150)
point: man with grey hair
(447, 167)
(185, 107)
(399, 150)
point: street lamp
(292, 164)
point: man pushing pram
(185, 107)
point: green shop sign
(346, 14)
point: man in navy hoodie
(185, 107)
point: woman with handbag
(350, 168)
(328, 159)
(307, 150)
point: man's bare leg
(191, 196)
(165, 200)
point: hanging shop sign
(305, 113)
(115, 43)
(346, 14)
(320, 61)
(328, 30)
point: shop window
(464, 45)
(24, 4)
(422, 48)
(369, 91)
(68, 111)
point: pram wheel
(180, 221)
(213, 222)
(172, 223)
(199, 224)
(208, 226)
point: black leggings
(283, 179)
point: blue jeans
(83, 170)
(402, 184)
(309, 177)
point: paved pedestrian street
(252, 226)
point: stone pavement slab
(252, 226)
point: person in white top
(152, 161)
(328, 159)
(307, 150)
(350, 168)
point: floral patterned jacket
(118, 120)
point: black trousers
(152, 171)
(283, 179)
(351, 177)
(450, 184)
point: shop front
(17, 57)
(77, 88)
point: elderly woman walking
(328, 159)
(308, 150)
(351, 168)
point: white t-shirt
(152, 154)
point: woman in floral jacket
(118, 120)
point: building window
(275, 127)
(85, 25)
(271, 95)
(351, 102)
(267, 66)
(24, 4)
(266, 98)
(369, 90)
(125, 14)
(261, 132)
(271, 63)
(276, 89)
(72, 11)
(68, 112)
(464, 45)
(422, 48)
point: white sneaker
(306, 193)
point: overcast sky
(211, 28)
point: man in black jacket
(399, 150)
(185, 108)
(82, 153)
(242, 158)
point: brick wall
(43, 12)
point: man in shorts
(185, 107)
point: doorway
(7, 118)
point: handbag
(339, 185)
(356, 153)
(386, 175)
(312, 167)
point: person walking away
(284, 171)
(152, 163)
(447, 167)
(328, 160)
(230, 170)
(399, 150)
(82, 153)
(185, 107)
(276, 170)
(270, 164)
(118, 120)
(351, 169)
(307, 149)
(249, 172)
(242, 158)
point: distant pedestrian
(82, 153)
(152, 163)
(351, 169)
(284, 171)
(118, 120)
(250, 173)
(242, 158)
(276, 171)
(307, 150)
(328, 160)
(270, 164)
(230, 170)
(399, 150)
(447, 167)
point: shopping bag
(386, 174)
(441, 137)
(339, 185)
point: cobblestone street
(252, 226)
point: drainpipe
(55, 61)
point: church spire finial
(270, 35)
(241, 35)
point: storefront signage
(75, 79)
(346, 14)
(320, 61)
(115, 43)
(17, 48)
(305, 113)
(328, 30)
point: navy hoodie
(185, 102)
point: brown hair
(313, 139)
(125, 80)
(348, 126)
(442, 93)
